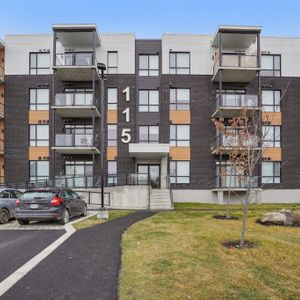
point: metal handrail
(236, 181)
(223, 140)
(236, 100)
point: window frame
(78, 163)
(34, 142)
(275, 143)
(112, 105)
(112, 142)
(274, 176)
(177, 104)
(148, 105)
(36, 104)
(37, 177)
(273, 70)
(176, 68)
(110, 68)
(174, 179)
(149, 70)
(273, 106)
(112, 178)
(177, 142)
(148, 141)
(36, 68)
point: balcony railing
(236, 61)
(235, 140)
(1, 110)
(235, 181)
(237, 100)
(74, 140)
(74, 99)
(74, 59)
(1, 73)
(1, 146)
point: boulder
(296, 220)
(290, 215)
(273, 218)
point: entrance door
(149, 171)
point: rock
(296, 220)
(273, 218)
(289, 216)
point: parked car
(49, 204)
(8, 199)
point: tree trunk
(244, 224)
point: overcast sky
(150, 18)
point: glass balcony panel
(74, 59)
(74, 140)
(77, 99)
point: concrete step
(160, 199)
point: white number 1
(127, 92)
(126, 112)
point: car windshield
(35, 195)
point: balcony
(144, 150)
(234, 182)
(235, 67)
(75, 105)
(68, 143)
(230, 105)
(225, 144)
(76, 66)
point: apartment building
(2, 57)
(160, 97)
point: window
(111, 135)
(39, 63)
(148, 134)
(179, 99)
(111, 172)
(39, 99)
(38, 169)
(39, 135)
(79, 129)
(79, 173)
(270, 65)
(271, 100)
(179, 171)
(271, 136)
(270, 172)
(148, 65)
(112, 62)
(148, 100)
(180, 135)
(112, 98)
(179, 63)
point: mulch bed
(222, 217)
(236, 244)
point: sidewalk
(86, 266)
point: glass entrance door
(149, 171)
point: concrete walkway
(86, 266)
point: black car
(49, 204)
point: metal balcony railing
(74, 140)
(74, 99)
(237, 100)
(74, 59)
(235, 181)
(236, 61)
(234, 140)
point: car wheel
(23, 222)
(66, 217)
(4, 216)
(84, 212)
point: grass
(178, 255)
(93, 220)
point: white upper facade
(18, 48)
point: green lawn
(178, 255)
(93, 220)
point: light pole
(103, 213)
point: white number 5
(126, 136)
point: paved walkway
(86, 266)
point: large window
(271, 136)
(38, 170)
(179, 171)
(111, 172)
(148, 100)
(148, 65)
(112, 135)
(78, 168)
(112, 62)
(39, 135)
(270, 172)
(179, 63)
(112, 98)
(39, 99)
(39, 63)
(270, 65)
(148, 134)
(79, 129)
(179, 99)
(271, 100)
(179, 135)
